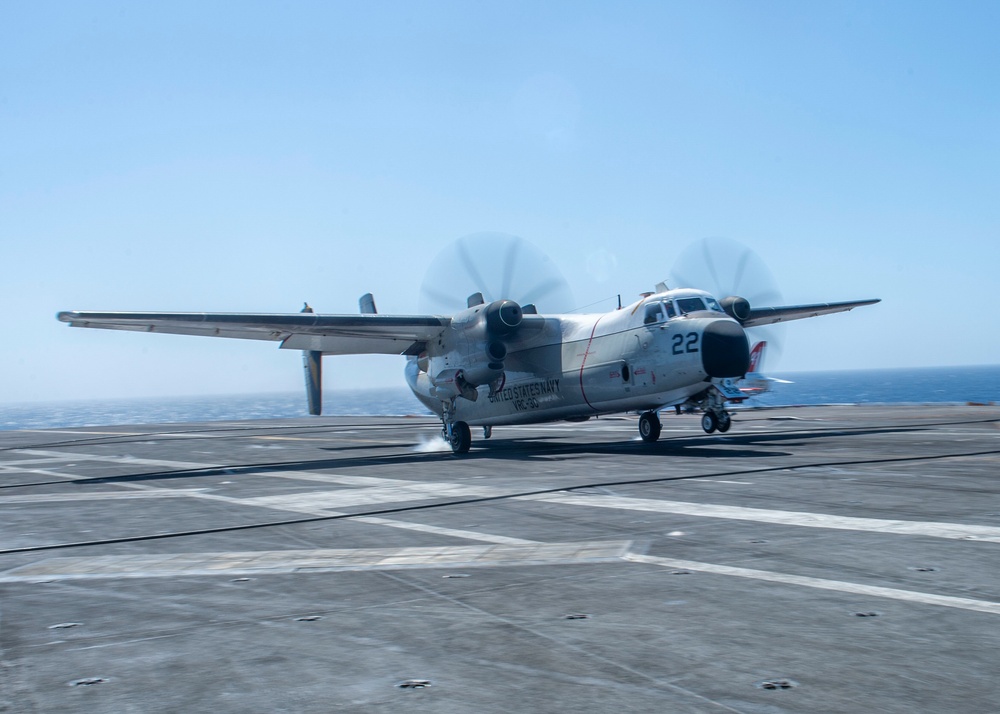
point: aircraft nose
(724, 349)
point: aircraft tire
(709, 422)
(461, 438)
(649, 426)
(725, 421)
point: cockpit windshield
(663, 310)
(713, 304)
(690, 304)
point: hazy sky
(240, 156)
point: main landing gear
(459, 437)
(649, 426)
(456, 433)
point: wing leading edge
(770, 315)
(331, 334)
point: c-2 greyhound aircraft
(500, 362)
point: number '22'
(685, 343)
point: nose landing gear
(716, 420)
(716, 417)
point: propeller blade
(470, 268)
(726, 267)
(508, 267)
(498, 265)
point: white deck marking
(309, 508)
(124, 460)
(41, 472)
(439, 530)
(299, 438)
(956, 531)
(319, 560)
(150, 434)
(373, 520)
(347, 497)
(98, 496)
(400, 490)
(44, 460)
(335, 478)
(102, 433)
(962, 603)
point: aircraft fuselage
(573, 367)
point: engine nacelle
(502, 317)
(478, 372)
(479, 350)
(736, 307)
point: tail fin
(312, 362)
(757, 356)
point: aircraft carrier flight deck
(813, 559)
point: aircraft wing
(330, 334)
(770, 315)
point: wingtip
(65, 316)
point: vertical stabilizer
(312, 365)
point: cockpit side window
(658, 312)
(690, 304)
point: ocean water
(888, 386)
(883, 386)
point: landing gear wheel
(725, 421)
(487, 432)
(709, 422)
(461, 438)
(649, 426)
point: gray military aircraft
(500, 362)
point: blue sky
(249, 156)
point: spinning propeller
(498, 265)
(727, 268)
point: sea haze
(888, 386)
